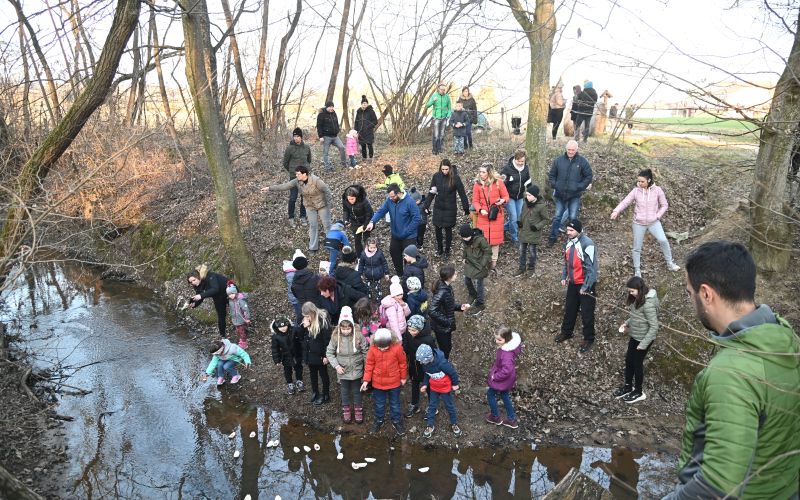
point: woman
(209, 285)
(650, 204)
(316, 337)
(556, 113)
(445, 184)
(488, 192)
(333, 296)
(442, 309)
(365, 126)
(468, 102)
(642, 327)
(357, 213)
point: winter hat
(300, 262)
(395, 288)
(298, 131)
(230, 287)
(329, 104)
(411, 251)
(387, 169)
(298, 253)
(587, 84)
(465, 231)
(416, 322)
(425, 354)
(281, 321)
(415, 194)
(533, 189)
(413, 284)
(348, 255)
(346, 314)
(364, 99)
(382, 337)
(576, 225)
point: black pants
(447, 236)
(556, 115)
(445, 341)
(322, 371)
(415, 383)
(583, 303)
(359, 240)
(421, 235)
(396, 247)
(297, 365)
(222, 311)
(364, 147)
(634, 365)
(293, 195)
(585, 120)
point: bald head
(572, 148)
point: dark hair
(638, 284)
(371, 240)
(464, 88)
(725, 266)
(446, 273)
(504, 332)
(393, 188)
(451, 175)
(194, 274)
(647, 174)
(362, 310)
(215, 346)
(351, 191)
(301, 168)
(326, 284)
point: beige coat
(316, 194)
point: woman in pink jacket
(649, 205)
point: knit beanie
(395, 288)
(382, 337)
(416, 322)
(465, 231)
(329, 104)
(364, 99)
(281, 321)
(298, 131)
(300, 263)
(533, 189)
(413, 284)
(576, 225)
(411, 251)
(346, 314)
(387, 169)
(424, 354)
(348, 256)
(415, 194)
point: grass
(704, 124)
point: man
(328, 132)
(405, 218)
(570, 176)
(516, 177)
(477, 264)
(297, 153)
(579, 277)
(317, 198)
(742, 433)
(584, 109)
(442, 109)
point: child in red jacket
(387, 369)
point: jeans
(364, 147)
(396, 247)
(326, 144)
(458, 145)
(351, 392)
(476, 290)
(352, 159)
(226, 366)
(438, 126)
(527, 250)
(514, 210)
(322, 371)
(468, 138)
(634, 364)
(585, 120)
(565, 209)
(313, 225)
(297, 365)
(639, 231)
(576, 301)
(332, 255)
(293, 195)
(448, 239)
(379, 397)
(433, 403)
(491, 398)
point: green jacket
(296, 155)
(532, 220)
(477, 256)
(442, 107)
(393, 178)
(743, 414)
(643, 322)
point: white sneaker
(673, 266)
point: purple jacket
(503, 374)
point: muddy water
(150, 429)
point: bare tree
(348, 67)
(278, 80)
(337, 59)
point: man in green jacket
(442, 109)
(477, 263)
(742, 434)
(297, 153)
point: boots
(347, 414)
(243, 339)
(359, 415)
(314, 396)
(519, 272)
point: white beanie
(382, 337)
(395, 288)
(298, 253)
(346, 314)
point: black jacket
(286, 347)
(314, 348)
(304, 286)
(212, 287)
(583, 104)
(345, 295)
(327, 124)
(373, 268)
(570, 178)
(444, 201)
(410, 346)
(442, 309)
(470, 106)
(351, 277)
(365, 124)
(360, 213)
(415, 269)
(516, 182)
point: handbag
(494, 210)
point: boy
(286, 352)
(440, 379)
(459, 121)
(532, 219)
(335, 241)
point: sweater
(649, 204)
(503, 373)
(643, 322)
(386, 369)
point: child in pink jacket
(351, 147)
(394, 310)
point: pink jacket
(351, 148)
(395, 316)
(649, 204)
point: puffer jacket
(230, 351)
(445, 210)
(212, 285)
(742, 432)
(327, 124)
(314, 348)
(304, 286)
(569, 178)
(349, 352)
(386, 369)
(532, 220)
(440, 375)
(373, 268)
(649, 205)
(316, 194)
(503, 373)
(516, 181)
(286, 347)
(240, 312)
(416, 269)
(410, 346)
(351, 277)
(296, 155)
(477, 256)
(365, 124)
(643, 322)
(359, 213)
(442, 309)
(396, 315)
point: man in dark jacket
(404, 221)
(304, 283)
(570, 176)
(516, 177)
(328, 132)
(584, 109)
(207, 284)
(365, 126)
(477, 263)
(297, 153)
(579, 277)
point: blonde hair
(319, 318)
(491, 174)
(337, 334)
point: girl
(395, 310)
(240, 313)
(642, 327)
(316, 334)
(373, 268)
(649, 205)
(471, 107)
(418, 333)
(387, 369)
(489, 196)
(351, 147)
(366, 318)
(445, 184)
(286, 351)
(346, 353)
(503, 376)
(225, 357)
(442, 308)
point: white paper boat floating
(278, 497)
(424, 469)
(369, 459)
(236, 454)
(273, 443)
(316, 446)
(357, 466)
(306, 448)
(296, 449)
(247, 497)
(340, 456)
(253, 434)
(232, 435)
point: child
(417, 298)
(240, 313)
(387, 369)
(418, 333)
(366, 318)
(439, 382)
(642, 327)
(503, 376)
(335, 241)
(289, 270)
(351, 147)
(346, 353)
(419, 199)
(414, 264)
(286, 352)
(226, 356)
(391, 178)
(531, 221)
(442, 308)
(394, 310)
(459, 121)
(316, 335)
(373, 267)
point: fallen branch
(11, 487)
(23, 382)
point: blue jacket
(439, 364)
(405, 217)
(569, 178)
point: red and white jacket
(580, 262)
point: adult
(328, 132)
(614, 111)
(576, 89)
(405, 218)
(584, 109)
(471, 107)
(489, 198)
(442, 309)
(442, 109)
(357, 213)
(304, 283)
(579, 276)
(334, 295)
(297, 153)
(207, 284)
(477, 255)
(649, 206)
(630, 109)
(445, 184)
(317, 198)
(557, 104)
(347, 273)
(366, 120)
(516, 178)
(570, 176)
(742, 432)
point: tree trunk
(338, 57)
(348, 67)
(201, 67)
(11, 487)
(280, 68)
(162, 88)
(258, 91)
(130, 111)
(771, 232)
(26, 87)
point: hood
(773, 335)
(227, 348)
(361, 196)
(337, 226)
(514, 345)
(421, 263)
(388, 301)
(272, 327)
(651, 294)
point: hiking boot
(376, 426)
(551, 242)
(673, 266)
(561, 337)
(235, 379)
(519, 272)
(313, 397)
(456, 429)
(428, 432)
(412, 409)
(477, 310)
(399, 429)
(220, 380)
(622, 391)
(511, 423)
(634, 397)
(347, 414)
(586, 345)
(359, 414)
(492, 419)
(299, 386)
(290, 389)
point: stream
(150, 429)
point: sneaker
(561, 337)
(293, 222)
(304, 221)
(299, 386)
(634, 397)
(398, 428)
(235, 379)
(412, 409)
(290, 389)
(476, 310)
(513, 424)
(428, 432)
(673, 266)
(622, 391)
(492, 419)
(519, 272)
(531, 274)
(220, 380)
(376, 426)
(456, 429)
(586, 345)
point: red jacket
(385, 369)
